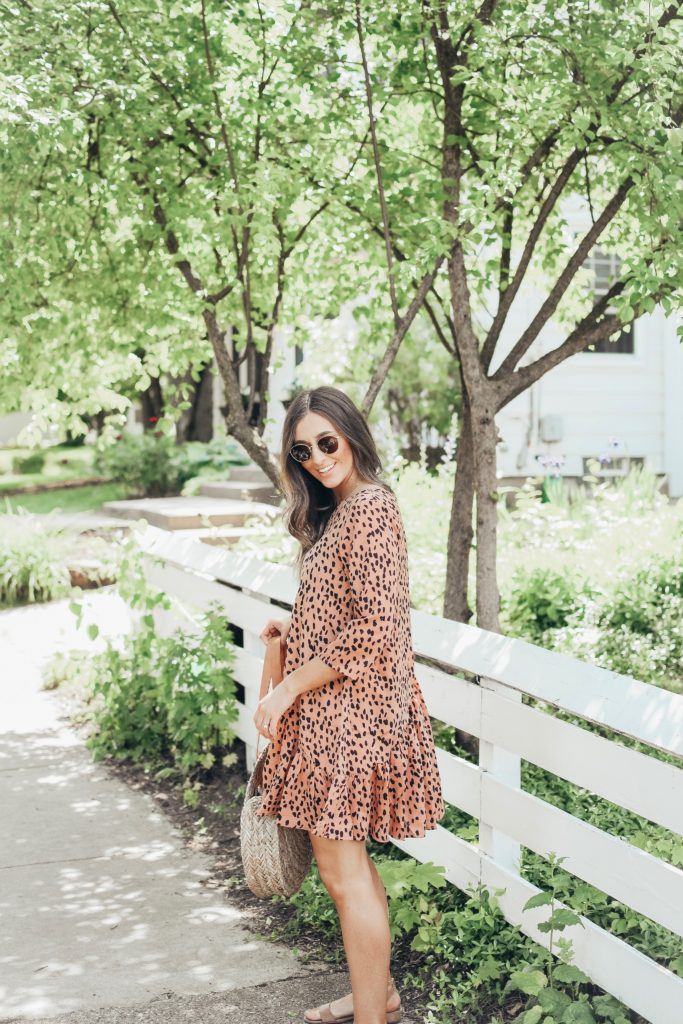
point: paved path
(103, 917)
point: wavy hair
(309, 503)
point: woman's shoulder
(368, 502)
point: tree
(493, 115)
(145, 201)
(253, 153)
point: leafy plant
(540, 600)
(167, 703)
(143, 462)
(547, 1002)
(152, 464)
(33, 556)
(408, 884)
(640, 600)
(32, 463)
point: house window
(606, 267)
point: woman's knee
(343, 866)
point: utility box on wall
(550, 429)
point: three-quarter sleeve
(371, 551)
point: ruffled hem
(399, 798)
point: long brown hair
(309, 503)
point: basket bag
(275, 859)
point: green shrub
(194, 458)
(541, 600)
(32, 463)
(640, 626)
(143, 462)
(152, 464)
(32, 561)
(166, 702)
(641, 599)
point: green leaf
(93, 630)
(539, 900)
(530, 982)
(568, 973)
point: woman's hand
(274, 627)
(270, 709)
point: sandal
(327, 1017)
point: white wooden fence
(250, 592)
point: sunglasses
(301, 452)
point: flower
(551, 462)
(153, 419)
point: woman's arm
(309, 676)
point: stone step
(247, 490)
(250, 472)
(218, 536)
(179, 513)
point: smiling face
(336, 471)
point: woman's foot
(343, 1007)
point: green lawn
(61, 463)
(71, 499)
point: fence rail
(475, 680)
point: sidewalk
(103, 916)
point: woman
(352, 753)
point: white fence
(250, 592)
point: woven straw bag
(275, 859)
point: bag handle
(273, 668)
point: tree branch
(378, 169)
(508, 294)
(400, 332)
(595, 326)
(564, 280)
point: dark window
(606, 269)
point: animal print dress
(355, 757)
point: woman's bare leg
(358, 894)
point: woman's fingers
(275, 627)
(268, 732)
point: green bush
(32, 463)
(541, 600)
(32, 561)
(195, 458)
(640, 625)
(152, 464)
(143, 462)
(166, 702)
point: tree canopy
(180, 179)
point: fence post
(253, 645)
(503, 765)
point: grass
(61, 463)
(72, 499)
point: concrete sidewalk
(103, 916)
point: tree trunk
(236, 424)
(196, 423)
(461, 532)
(152, 401)
(485, 439)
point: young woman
(352, 754)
